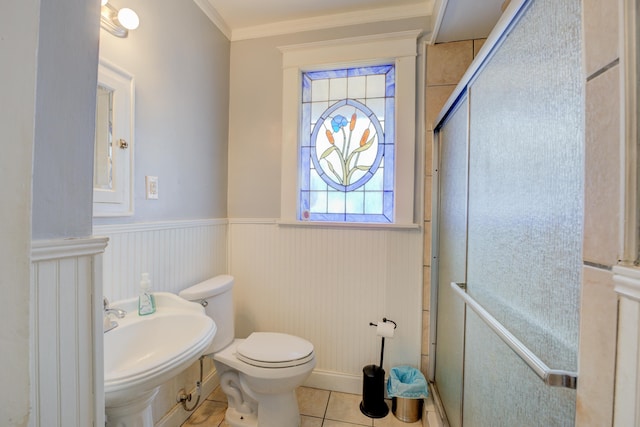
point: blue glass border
(386, 146)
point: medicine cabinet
(113, 152)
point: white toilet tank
(216, 294)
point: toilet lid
(274, 350)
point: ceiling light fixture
(118, 22)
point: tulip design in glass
(347, 152)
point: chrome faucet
(109, 324)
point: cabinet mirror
(113, 150)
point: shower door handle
(552, 377)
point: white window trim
(399, 48)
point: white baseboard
(335, 381)
(178, 415)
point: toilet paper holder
(395, 326)
(373, 404)
(384, 319)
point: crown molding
(321, 22)
(392, 13)
(214, 16)
(437, 15)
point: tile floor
(318, 408)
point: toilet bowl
(258, 374)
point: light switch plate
(151, 185)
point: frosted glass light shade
(128, 18)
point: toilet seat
(274, 350)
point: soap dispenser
(146, 301)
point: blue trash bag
(407, 382)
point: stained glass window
(347, 148)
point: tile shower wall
(599, 305)
(446, 64)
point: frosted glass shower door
(525, 218)
(451, 260)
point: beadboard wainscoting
(326, 284)
(176, 255)
(65, 330)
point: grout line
(323, 418)
(603, 69)
(597, 265)
(326, 407)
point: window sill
(353, 225)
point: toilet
(258, 374)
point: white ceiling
(451, 19)
(467, 19)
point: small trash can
(406, 409)
(408, 388)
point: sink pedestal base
(132, 412)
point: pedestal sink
(143, 352)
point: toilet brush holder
(373, 404)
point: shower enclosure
(509, 148)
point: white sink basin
(143, 352)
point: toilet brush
(373, 404)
